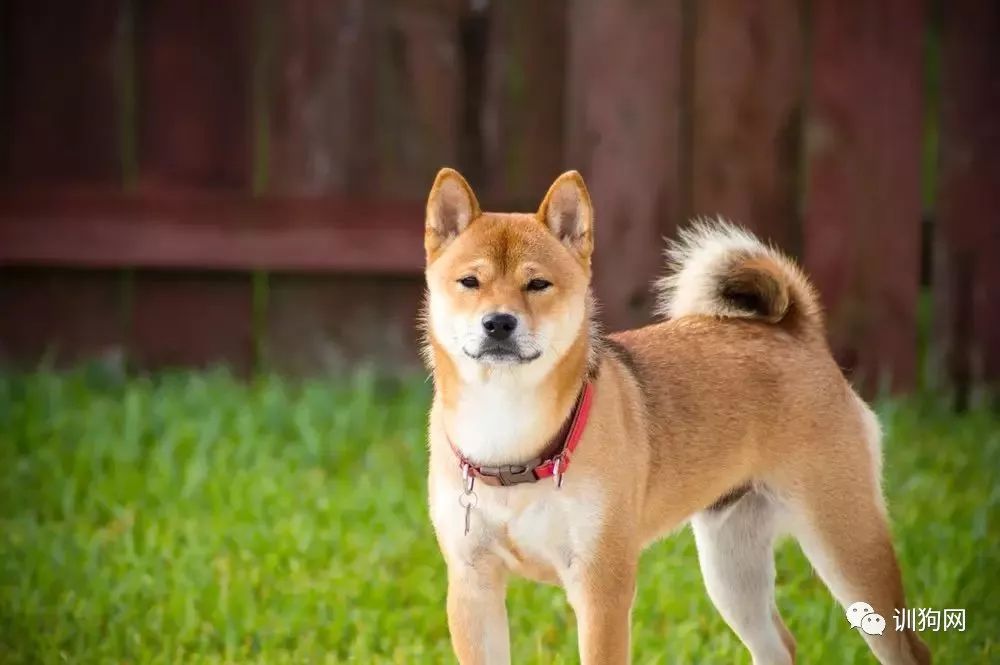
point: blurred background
(240, 182)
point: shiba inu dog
(558, 453)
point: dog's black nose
(499, 326)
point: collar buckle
(508, 474)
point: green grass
(194, 518)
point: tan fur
(736, 390)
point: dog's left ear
(568, 213)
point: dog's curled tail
(718, 269)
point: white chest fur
(497, 422)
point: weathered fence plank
(523, 112)
(195, 67)
(366, 96)
(60, 122)
(365, 100)
(59, 112)
(323, 102)
(418, 103)
(746, 115)
(623, 73)
(967, 275)
(862, 222)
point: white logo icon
(873, 624)
(862, 615)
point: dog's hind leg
(839, 518)
(853, 554)
(736, 552)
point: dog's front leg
(477, 614)
(602, 599)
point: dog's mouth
(502, 353)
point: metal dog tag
(468, 499)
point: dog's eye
(538, 285)
(469, 282)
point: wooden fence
(241, 181)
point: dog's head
(507, 290)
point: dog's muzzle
(502, 351)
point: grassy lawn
(193, 518)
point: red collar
(540, 467)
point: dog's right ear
(451, 207)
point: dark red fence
(241, 181)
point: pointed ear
(451, 206)
(568, 213)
